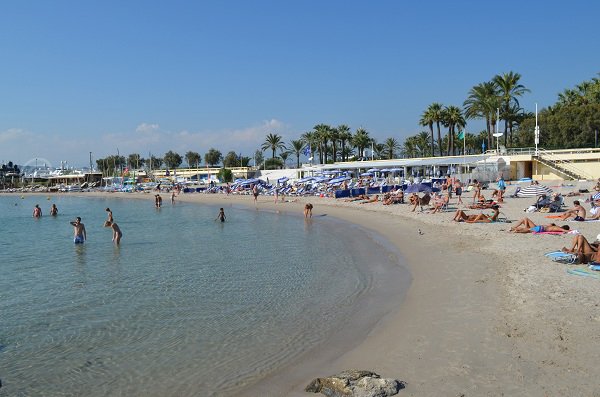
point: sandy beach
(486, 313)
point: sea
(185, 305)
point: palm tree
(509, 90)
(422, 142)
(311, 140)
(297, 148)
(391, 147)
(361, 140)
(427, 120)
(482, 103)
(453, 118)
(273, 142)
(344, 135)
(436, 112)
(323, 133)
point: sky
(144, 77)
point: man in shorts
(255, 192)
(578, 212)
(79, 235)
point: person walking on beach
(458, 191)
(109, 220)
(255, 192)
(37, 211)
(53, 210)
(116, 233)
(79, 234)
(221, 216)
(308, 210)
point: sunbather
(577, 212)
(357, 198)
(373, 200)
(526, 225)
(461, 216)
(440, 202)
(586, 252)
(420, 201)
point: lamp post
(536, 131)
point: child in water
(221, 215)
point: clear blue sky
(143, 76)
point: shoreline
(486, 313)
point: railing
(561, 165)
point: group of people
(37, 211)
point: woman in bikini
(526, 225)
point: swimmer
(37, 211)
(53, 210)
(116, 232)
(221, 216)
(79, 234)
(109, 220)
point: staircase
(564, 167)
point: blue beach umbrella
(366, 174)
(420, 187)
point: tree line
(573, 121)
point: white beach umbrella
(534, 191)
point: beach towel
(555, 233)
(583, 273)
(562, 257)
(594, 267)
(587, 220)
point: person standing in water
(53, 210)
(109, 219)
(173, 197)
(116, 232)
(79, 234)
(308, 210)
(37, 211)
(221, 216)
(157, 201)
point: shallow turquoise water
(185, 306)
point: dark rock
(355, 383)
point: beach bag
(531, 208)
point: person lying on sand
(526, 225)
(461, 216)
(357, 198)
(586, 252)
(373, 200)
(580, 245)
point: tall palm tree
(323, 134)
(273, 142)
(453, 119)
(361, 140)
(334, 136)
(391, 147)
(436, 111)
(344, 135)
(481, 103)
(422, 141)
(509, 90)
(297, 148)
(427, 120)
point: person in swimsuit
(461, 216)
(78, 231)
(458, 191)
(157, 201)
(255, 192)
(308, 210)
(37, 211)
(221, 215)
(109, 219)
(578, 212)
(53, 210)
(116, 233)
(526, 225)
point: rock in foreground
(355, 383)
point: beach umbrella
(385, 170)
(373, 170)
(366, 174)
(420, 187)
(283, 179)
(534, 191)
(596, 196)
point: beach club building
(513, 164)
